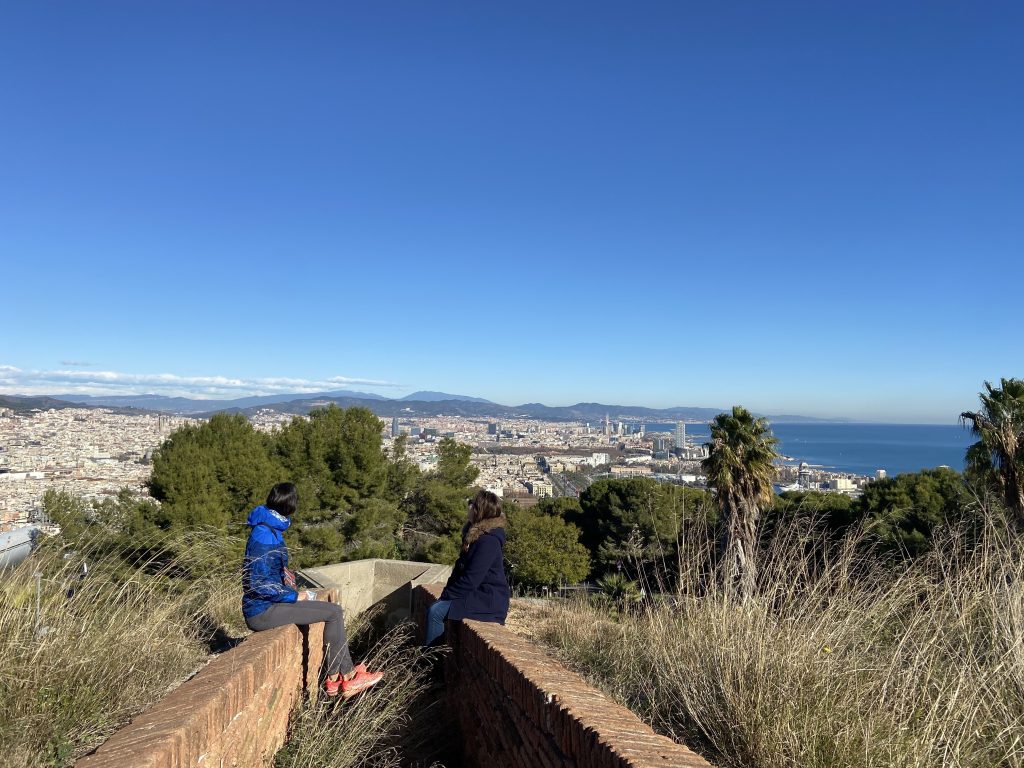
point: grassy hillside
(837, 662)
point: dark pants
(336, 652)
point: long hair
(485, 505)
(283, 499)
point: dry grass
(837, 663)
(365, 731)
(109, 645)
(103, 647)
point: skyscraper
(607, 425)
(394, 426)
(680, 436)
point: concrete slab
(362, 583)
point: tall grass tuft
(838, 661)
(366, 730)
(80, 655)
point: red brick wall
(234, 712)
(518, 708)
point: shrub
(544, 550)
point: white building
(842, 484)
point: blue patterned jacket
(266, 557)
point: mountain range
(422, 403)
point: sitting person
(477, 588)
(269, 597)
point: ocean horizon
(860, 448)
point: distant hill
(427, 396)
(190, 406)
(424, 403)
(595, 412)
(45, 403)
(18, 403)
(586, 412)
(388, 408)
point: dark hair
(487, 505)
(283, 499)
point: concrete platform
(362, 583)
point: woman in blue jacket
(269, 597)
(477, 588)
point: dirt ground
(525, 613)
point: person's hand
(306, 594)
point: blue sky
(806, 208)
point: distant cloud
(76, 363)
(15, 381)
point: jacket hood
(265, 516)
(471, 533)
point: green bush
(544, 550)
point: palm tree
(740, 467)
(998, 457)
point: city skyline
(797, 208)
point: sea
(860, 449)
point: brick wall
(234, 712)
(518, 708)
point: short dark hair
(283, 499)
(487, 505)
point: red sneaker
(331, 687)
(359, 683)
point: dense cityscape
(96, 452)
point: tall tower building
(394, 426)
(607, 425)
(680, 436)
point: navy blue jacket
(477, 587)
(266, 557)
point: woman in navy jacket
(477, 588)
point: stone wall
(518, 708)
(514, 706)
(234, 712)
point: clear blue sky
(811, 208)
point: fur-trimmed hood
(471, 533)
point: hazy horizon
(16, 382)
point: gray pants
(336, 652)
